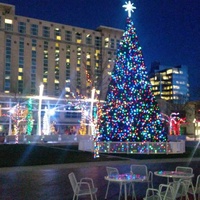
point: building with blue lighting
(170, 82)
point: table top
(126, 178)
(173, 174)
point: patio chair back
(188, 170)
(112, 171)
(73, 182)
(139, 169)
(85, 187)
(143, 171)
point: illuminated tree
(29, 117)
(130, 112)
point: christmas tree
(130, 112)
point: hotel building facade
(66, 59)
(69, 61)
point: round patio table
(126, 179)
(177, 175)
(174, 174)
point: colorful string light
(130, 113)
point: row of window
(8, 65)
(68, 35)
(33, 64)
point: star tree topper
(129, 7)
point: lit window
(88, 56)
(175, 71)
(7, 77)
(67, 89)
(58, 37)
(176, 87)
(165, 78)
(78, 37)
(107, 39)
(8, 21)
(57, 34)
(106, 44)
(88, 39)
(8, 25)
(97, 52)
(169, 71)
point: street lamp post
(91, 130)
(39, 109)
(10, 121)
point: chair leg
(107, 190)
(133, 191)
(91, 196)
(74, 197)
(194, 194)
(95, 196)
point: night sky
(168, 30)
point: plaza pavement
(51, 182)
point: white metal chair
(158, 194)
(172, 191)
(180, 189)
(82, 188)
(143, 171)
(188, 170)
(112, 171)
(195, 190)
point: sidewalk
(51, 181)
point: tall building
(170, 82)
(66, 59)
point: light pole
(39, 109)
(10, 121)
(91, 112)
